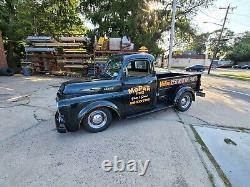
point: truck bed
(169, 82)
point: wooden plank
(80, 50)
(73, 66)
(77, 55)
(59, 55)
(116, 52)
(56, 44)
(73, 60)
(73, 39)
(36, 55)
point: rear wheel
(97, 120)
(184, 102)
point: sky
(238, 18)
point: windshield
(113, 67)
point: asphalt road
(227, 103)
(33, 153)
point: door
(139, 86)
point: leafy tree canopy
(225, 43)
(240, 51)
(198, 43)
(20, 18)
(208, 41)
(144, 21)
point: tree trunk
(3, 61)
(10, 55)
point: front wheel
(97, 120)
(184, 102)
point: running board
(157, 109)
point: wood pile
(71, 54)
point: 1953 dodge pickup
(128, 87)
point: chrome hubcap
(185, 101)
(97, 119)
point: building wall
(3, 61)
(184, 62)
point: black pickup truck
(128, 87)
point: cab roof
(128, 57)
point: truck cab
(128, 87)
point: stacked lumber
(71, 54)
(48, 54)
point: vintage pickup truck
(128, 87)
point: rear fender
(181, 91)
(97, 104)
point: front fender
(181, 91)
(97, 104)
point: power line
(220, 36)
(209, 16)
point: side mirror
(125, 72)
(154, 73)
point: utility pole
(219, 39)
(172, 33)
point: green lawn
(233, 74)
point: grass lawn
(233, 74)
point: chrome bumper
(60, 123)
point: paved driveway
(33, 153)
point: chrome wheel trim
(185, 101)
(97, 119)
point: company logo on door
(140, 94)
(139, 90)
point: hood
(89, 87)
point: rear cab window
(138, 68)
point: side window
(138, 68)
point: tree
(44, 17)
(241, 49)
(144, 21)
(224, 45)
(208, 41)
(198, 43)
